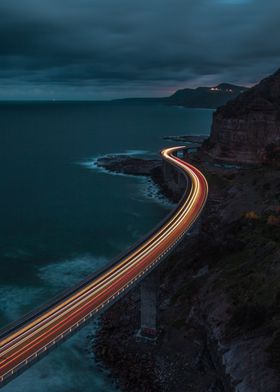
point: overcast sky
(101, 49)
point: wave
(151, 191)
(71, 366)
(134, 153)
(148, 189)
(92, 163)
(16, 300)
(66, 273)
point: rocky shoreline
(219, 315)
(150, 168)
(193, 139)
(128, 165)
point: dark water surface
(61, 218)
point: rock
(128, 165)
(247, 129)
(195, 139)
(202, 272)
(141, 167)
(219, 332)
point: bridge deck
(27, 340)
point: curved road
(21, 345)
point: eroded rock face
(247, 129)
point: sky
(103, 49)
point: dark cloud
(109, 48)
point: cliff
(247, 129)
(219, 313)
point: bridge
(30, 338)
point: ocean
(62, 217)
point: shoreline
(115, 362)
(138, 167)
(199, 336)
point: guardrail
(12, 328)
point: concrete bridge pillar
(175, 180)
(167, 171)
(149, 304)
(182, 181)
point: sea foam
(70, 367)
(148, 188)
(66, 273)
(92, 163)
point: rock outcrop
(247, 129)
(128, 165)
(219, 313)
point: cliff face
(219, 302)
(247, 129)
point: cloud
(107, 48)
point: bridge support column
(149, 304)
(183, 182)
(175, 180)
(167, 171)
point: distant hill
(201, 97)
(206, 97)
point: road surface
(24, 343)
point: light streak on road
(27, 341)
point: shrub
(251, 215)
(273, 220)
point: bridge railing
(14, 326)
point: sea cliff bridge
(29, 339)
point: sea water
(62, 217)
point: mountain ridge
(200, 97)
